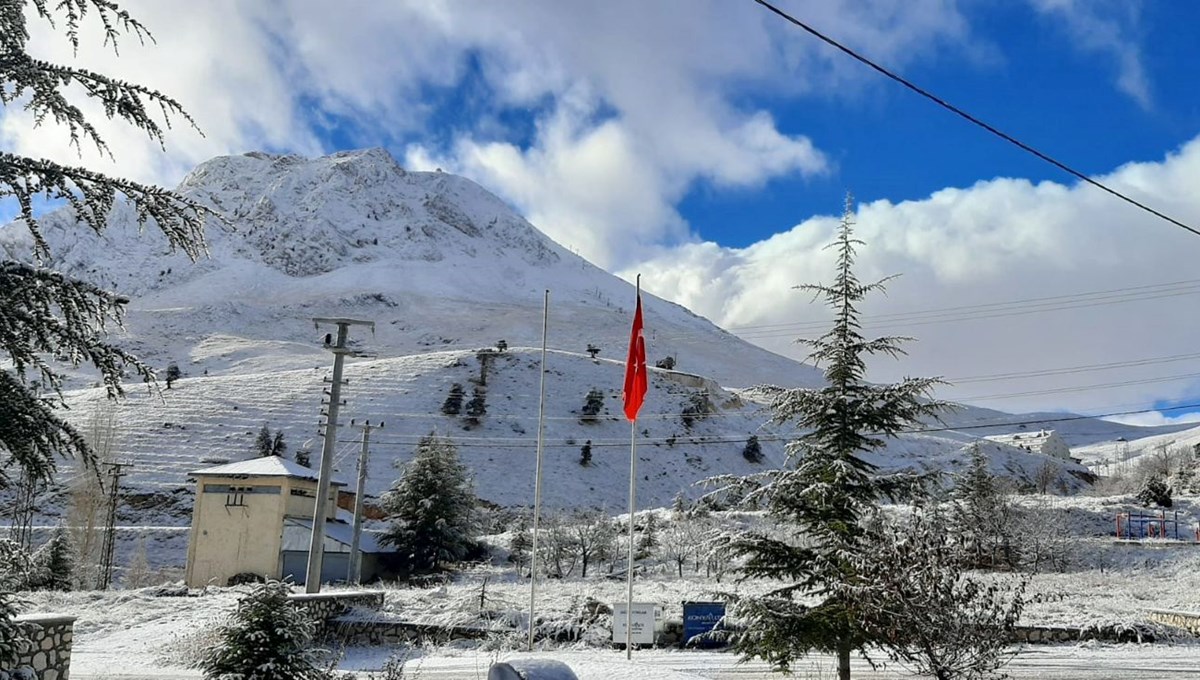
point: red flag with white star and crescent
(635, 366)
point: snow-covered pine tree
(266, 638)
(520, 546)
(477, 406)
(454, 400)
(593, 404)
(432, 508)
(57, 561)
(821, 497)
(1154, 491)
(42, 312)
(648, 538)
(18, 568)
(982, 519)
(585, 453)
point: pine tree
(432, 508)
(173, 374)
(278, 446)
(753, 450)
(585, 453)
(477, 406)
(1154, 492)
(823, 495)
(520, 547)
(43, 313)
(679, 506)
(57, 561)
(648, 539)
(982, 519)
(593, 404)
(262, 443)
(266, 638)
(454, 401)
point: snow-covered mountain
(443, 268)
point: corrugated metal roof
(266, 466)
(297, 534)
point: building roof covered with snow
(265, 466)
(1046, 442)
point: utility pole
(354, 574)
(104, 579)
(316, 547)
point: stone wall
(352, 630)
(326, 606)
(1189, 621)
(48, 653)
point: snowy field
(139, 634)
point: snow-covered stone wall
(48, 652)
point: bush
(12, 638)
(266, 638)
(246, 578)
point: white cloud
(634, 102)
(1001, 240)
(211, 57)
(1103, 27)
(1155, 418)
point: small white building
(1046, 442)
(255, 516)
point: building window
(236, 496)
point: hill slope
(443, 268)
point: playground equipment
(1136, 526)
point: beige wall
(231, 538)
(236, 532)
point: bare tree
(85, 513)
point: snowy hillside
(443, 268)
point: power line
(1083, 388)
(1152, 289)
(972, 119)
(526, 442)
(950, 315)
(1073, 369)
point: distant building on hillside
(255, 516)
(1046, 442)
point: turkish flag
(635, 366)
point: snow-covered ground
(143, 633)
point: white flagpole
(537, 475)
(632, 510)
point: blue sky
(708, 146)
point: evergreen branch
(92, 196)
(120, 99)
(32, 435)
(43, 312)
(114, 19)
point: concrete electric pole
(316, 547)
(354, 574)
